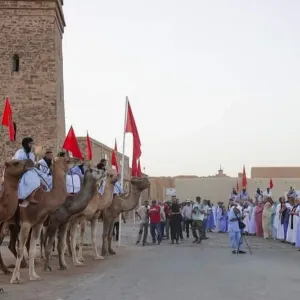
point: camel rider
(102, 166)
(74, 178)
(118, 189)
(31, 180)
(45, 168)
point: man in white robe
(267, 193)
(31, 180)
(74, 178)
(44, 167)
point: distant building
(275, 172)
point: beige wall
(275, 172)
(218, 189)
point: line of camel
(58, 214)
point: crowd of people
(260, 216)
(168, 221)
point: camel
(119, 205)
(33, 216)
(91, 213)
(14, 170)
(59, 219)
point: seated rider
(74, 178)
(102, 166)
(31, 180)
(45, 168)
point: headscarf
(25, 143)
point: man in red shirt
(155, 227)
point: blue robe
(223, 221)
(31, 180)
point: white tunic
(46, 174)
(73, 184)
(247, 215)
(291, 233)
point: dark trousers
(155, 232)
(197, 226)
(116, 230)
(143, 229)
(188, 224)
(175, 229)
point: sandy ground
(208, 271)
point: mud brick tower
(31, 71)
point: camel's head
(112, 177)
(94, 173)
(141, 183)
(64, 162)
(16, 168)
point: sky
(210, 82)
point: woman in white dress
(252, 227)
(293, 222)
(291, 232)
(247, 215)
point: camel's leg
(109, 238)
(35, 234)
(81, 242)
(73, 233)
(24, 232)
(68, 240)
(43, 242)
(93, 237)
(104, 237)
(12, 246)
(48, 239)
(61, 245)
(4, 268)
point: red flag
(89, 147)
(7, 120)
(131, 127)
(134, 168)
(139, 171)
(114, 161)
(71, 144)
(244, 179)
(271, 185)
(237, 186)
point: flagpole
(122, 170)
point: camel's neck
(59, 188)
(108, 191)
(131, 201)
(87, 191)
(10, 188)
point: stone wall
(32, 30)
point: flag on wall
(139, 171)
(71, 144)
(130, 127)
(114, 161)
(7, 120)
(89, 147)
(244, 179)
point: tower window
(16, 63)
